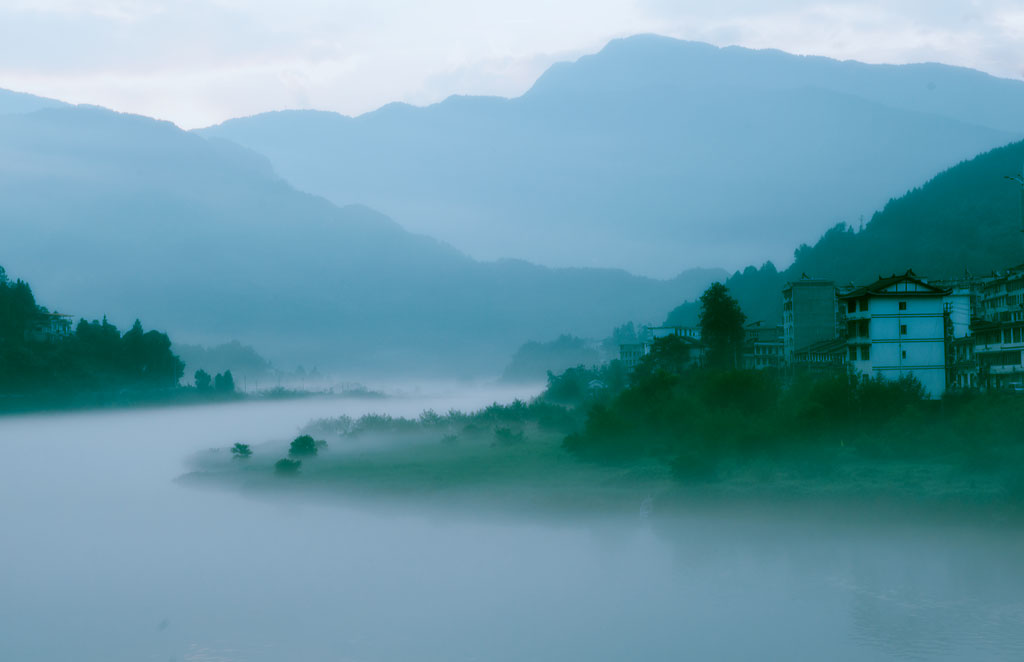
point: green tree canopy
(203, 380)
(721, 327)
(224, 383)
(304, 445)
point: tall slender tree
(721, 327)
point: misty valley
(686, 352)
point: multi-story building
(824, 356)
(897, 327)
(631, 354)
(762, 346)
(810, 314)
(999, 331)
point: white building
(897, 326)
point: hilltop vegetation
(967, 218)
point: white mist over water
(104, 557)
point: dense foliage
(721, 327)
(96, 356)
(707, 422)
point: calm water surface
(103, 556)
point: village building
(998, 332)
(825, 356)
(810, 314)
(762, 345)
(655, 332)
(49, 327)
(632, 353)
(897, 327)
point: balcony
(1005, 369)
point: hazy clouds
(198, 62)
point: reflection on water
(105, 557)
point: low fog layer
(110, 559)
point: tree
(670, 354)
(241, 451)
(286, 466)
(203, 380)
(224, 383)
(721, 327)
(304, 445)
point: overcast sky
(197, 62)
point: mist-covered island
(585, 348)
(682, 421)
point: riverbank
(530, 469)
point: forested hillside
(967, 218)
(94, 357)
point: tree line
(95, 356)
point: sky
(199, 62)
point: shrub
(286, 466)
(508, 435)
(241, 451)
(304, 445)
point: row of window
(859, 329)
(852, 305)
(865, 353)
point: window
(851, 306)
(903, 305)
(853, 353)
(863, 305)
(865, 353)
(903, 329)
(904, 354)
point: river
(104, 556)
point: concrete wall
(812, 316)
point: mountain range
(651, 155)
(122, 215)
(210, 236)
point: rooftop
(879, 287)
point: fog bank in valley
(110, 558)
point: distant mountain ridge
(651, 155)
(123, 215)
(19, 102)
